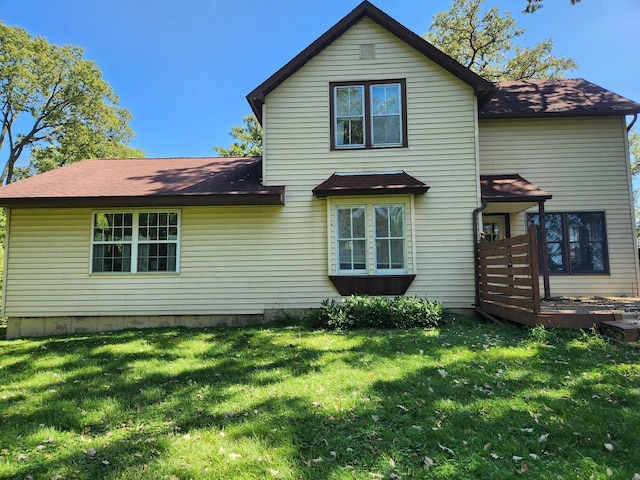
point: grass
(467, 400)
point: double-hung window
(132, 242)
(371, 239)
(576, 242)
(368, 114)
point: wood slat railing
(508, 272)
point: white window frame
(351, 271)
(409, 250)
(389, 271)
(135, 241)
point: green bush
(358, 311)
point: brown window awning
(510, 193)
(368, 183)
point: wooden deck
(582, 312)
(508, 288)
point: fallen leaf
(446, 449)
(234, 456)
(105, 462)
(442, 372)
(516, 458)
(427, 463)
(91, 452)
(543, 438)
(608, 446)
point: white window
(352, 240)
(133, 242)
(389, 238)
(371, 239)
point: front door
(494, 227)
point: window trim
(368, 117)
(566, 243)
(135, 242)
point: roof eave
(573, 113)
(274, 196)
(341, 192)
(517, 198)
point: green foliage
(535, 5)
(362, 311)
(634, 150)
(55, 104)
(249, 140)
(484, 43)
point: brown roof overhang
(555, 98)
(341, 184)
(481, 86)
(145, 183)
(510, 188)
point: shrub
(358, 311)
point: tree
(634, 150)
(535, 5)
(249, 140)
(484, 43)
(55, 105)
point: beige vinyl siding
(441, 152)
(234, 260)
(583, 163)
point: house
(382, 157)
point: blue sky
(183, 68)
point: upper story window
(131, 242)
(368, 114)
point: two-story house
(378, 149)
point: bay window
(371, 239)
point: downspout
(476, 239)
(633, 122)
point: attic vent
(367, 50)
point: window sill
(371, 284)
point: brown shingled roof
(146, 182)
(369, 184)
(510, 188)
(545, 98)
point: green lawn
(467, 400)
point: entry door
(494, 227)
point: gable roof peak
(481, 86)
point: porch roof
(370, 183)
(512, 192)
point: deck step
(621, 330)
